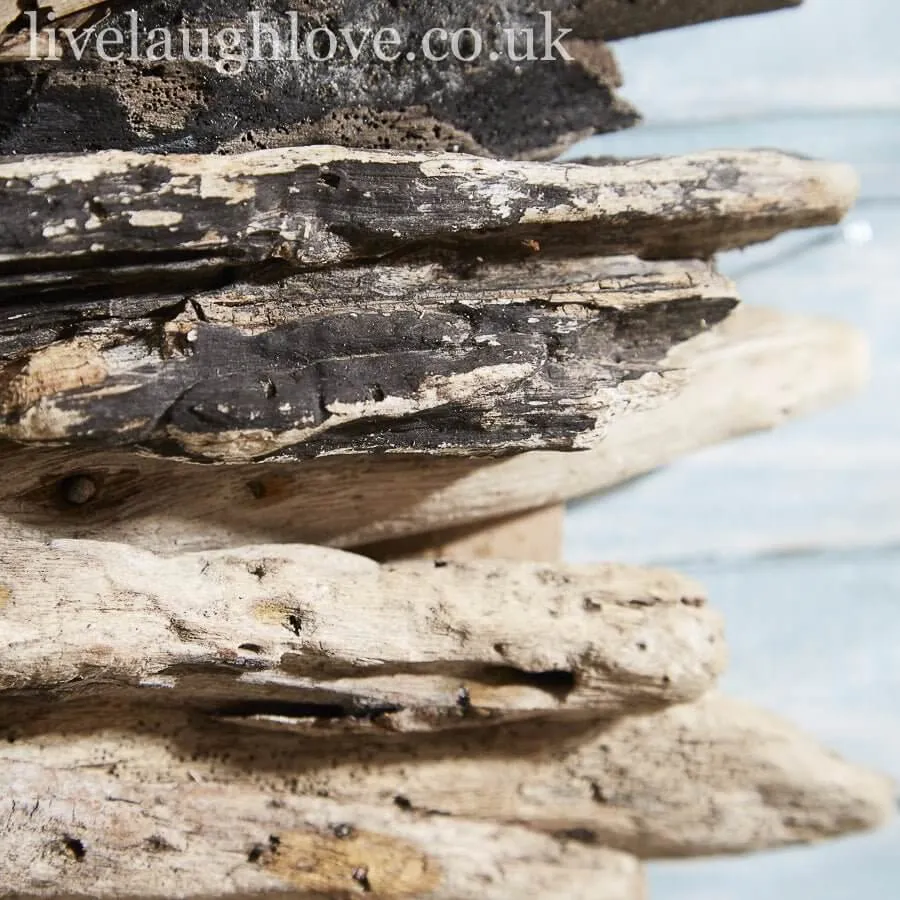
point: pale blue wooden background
(796, 533)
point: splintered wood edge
(286, 630)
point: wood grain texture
(323, 206)
(707, 778)
(394, 358)
(326, 636)
(756, 370)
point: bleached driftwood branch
(752, 372)
(707, 778)
(492, 328)
(494, 104)
(328, 636)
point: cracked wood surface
(527, 109)
(711, 777)
(271, 629)
(239, 308)
(752, 372)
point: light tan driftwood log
(84, 834)
(752, 372)
(251, 631)
(711, 777)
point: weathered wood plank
(752, 372)
(711, 777)
(461, 348)
(415, 358)
(614, 19)
(404, 646)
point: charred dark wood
(614, 19)
(492, 105)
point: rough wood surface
(707, 778)
(330, 637)
(489, 105)
(394, 357)
(753, 372)
(198, 841)
(493, 327)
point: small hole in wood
(77, 490)
(361, 876)
(74, 847)
(329, 179)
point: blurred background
(796, 533)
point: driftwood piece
(754, 371)
(325, 206)
(76, 834)
(706, 778)
(324, 635)
(389, 358)
(489, 104)
(458, 349)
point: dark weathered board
(409, 357)
(302, 302)
(493, 104)
(325, 206)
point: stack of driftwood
(221, 369)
